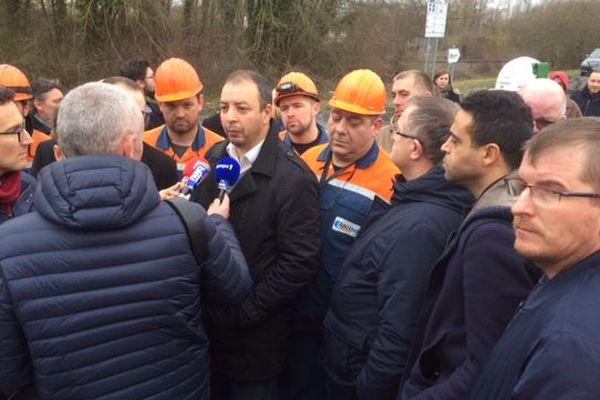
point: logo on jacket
(346, 227)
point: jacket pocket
(429, 361)
(344, 357)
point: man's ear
(377, 125)
(35, 104)
(58, 153)
(129, 147)
(417, 150)
(491, 154)
(267, 113)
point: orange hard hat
(175, 79)
(293, 84)
(12, 78)
(361, 92)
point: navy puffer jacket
(100, 294)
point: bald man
(547, 101)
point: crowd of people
(452, 253)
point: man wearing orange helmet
(12, 78)
(354, 175)
(298, 101)
(179, 95)
(16, 188)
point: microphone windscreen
(199, 173)
(189, 168)
(228, 171)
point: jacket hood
(432, 188)
(563, 78)
(95, 192)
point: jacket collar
(164, 143)
(494, 196)
(265, 164)
(549, 290)
(323, 137)
(363, 163)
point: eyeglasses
(397, 132)
(21, 132)
(541, 195)
(289, 87)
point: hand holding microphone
(227, 173)
(195, 172)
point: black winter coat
(588, 103)
(275, 215)
(474, 290)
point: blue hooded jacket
(378, 295)
(100, 294)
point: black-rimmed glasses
(20, 132)
(543, 195)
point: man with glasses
(354, 175)
(298, 101)
(547, 100)
(380, 288)
(16, 187)
(477, 283)
(551, 349)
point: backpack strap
(193, 226)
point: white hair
(94, 117)
(548, 90)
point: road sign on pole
(453, 55)
(435, 25)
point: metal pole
(426, 54)
(435, 54)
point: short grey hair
(422, 80)
(94, 117)
(430, 122)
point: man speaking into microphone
(275, 215)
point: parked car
(591, 63)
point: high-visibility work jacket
(37, 137)
(159, 139)
(347, 199)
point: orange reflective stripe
(210, 137)
(377, 178)
(37, 137)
